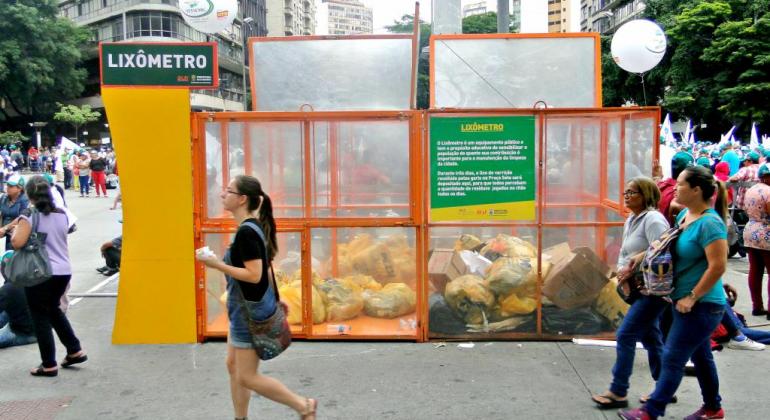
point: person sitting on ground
(734, 331)
(16, 327)
(111, 254)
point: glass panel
(287, 262)
(499, 285)
(446, 17)
(276, 160)
(214, 171)
(361, 169)
(216, 285)
(366, 282)
(514, 72)
(640, 136)
(572, 169)
(613, 161)
(236, 161)
(577, 297)
(343, 74)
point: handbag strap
(261, 234)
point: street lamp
(37, 125)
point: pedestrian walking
(699, 260)
(251, 294)
(641, 323)
(84, 174)
(44, 299)
(98, 165)
(756, 238)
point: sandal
(310, 408)
(644, 398)
(40, 371)
(609, 401)
(73, 360)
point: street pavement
(352, 380)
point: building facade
(559, 15)
(158, 21)
(474, 9)
(344, 17)
(605, 16)
(291, 17)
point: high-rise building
(291, 17)
(605, 16)
(475, 9)
(559, 12)
(160, 20)
(344, 17)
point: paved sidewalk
(363, 380)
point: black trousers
(67, 178)
(44, 300)
(112, 257)
(14, 302)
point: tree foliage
(484, 23)
(11, 137)
(40, 54)
(716, 69)
(76, 116)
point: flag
(766, 141)
(67, 144)
(727, 137)
(691, 139)
(687, 132)
(754, 142)
(666, 135)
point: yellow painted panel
(520, 210)
(151, 133)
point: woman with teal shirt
(700, 260)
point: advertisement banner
(482, 168)
(182, 65)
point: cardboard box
(576, 277)
(445, 265)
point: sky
(386, 11)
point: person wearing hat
(12, 203)
(756, 238)
(84, 173)
(729, 156)
(745, 178)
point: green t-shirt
(690, 256)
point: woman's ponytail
(720, 204)
(258, 200)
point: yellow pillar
(151, 133)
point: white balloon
(209, 16)
(638, 46)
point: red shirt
(667, 187)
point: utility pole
(503, 17)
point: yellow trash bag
(508, 246)
(291, 294)
(315, 277)
(516, 305)
(342, 303)
(467, 242)
(470, 297)
(361, 282)
(507, 273)
(394, 300)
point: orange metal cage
(584, 218)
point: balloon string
(644, 91)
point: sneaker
(746, 344)
(635, 414)
(110, 271)
(758, 312)
(704, 414)
(102, 269)
(689, 368)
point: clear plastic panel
(214, 170)
(286, 265)
(367, 282)
(613, 161)
(276, 160)
(515, 72)
(341, 74)
(361, 169)
(446, 17)
(640, 134)
(236, 162)
(577, 296)
(496, 293)
(572, 169)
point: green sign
(482, 168)
(184, 65)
